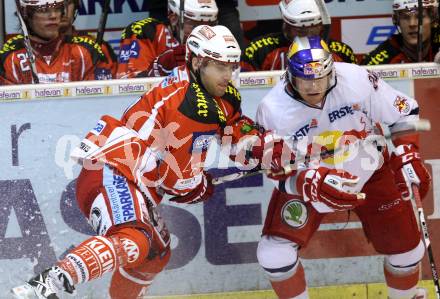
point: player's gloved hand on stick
(201, 193)
(409, 169)
(165, 62)
(273, 154)
(327, 186)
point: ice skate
(48, 284)
(422, 293)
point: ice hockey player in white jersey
(323, 106)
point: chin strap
(195, 74)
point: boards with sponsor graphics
(39, 219)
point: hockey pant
(388, 222)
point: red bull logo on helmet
(313, 68)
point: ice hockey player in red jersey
(68, 28)
(46, 56)
(324, 106)
(150, 48)
(158, 147)
(403, 46)
(300, 18)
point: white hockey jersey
(351, 109)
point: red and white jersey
(68, 58)
(352, 107)
(141, 42)
(161, 141)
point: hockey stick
(181, 20)
(326, 20)
(420, 30)
(102, 22)
(395, 131)
(236, 176)
(27, 45)
(426, 240)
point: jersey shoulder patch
(344, 51)
(198, 105)
(259, 48)
(384, 53)
(142, 29)
(90, 45)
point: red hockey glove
(165, 62)
(201, 193)
(273, 154)
(409, 169)
(327, 186)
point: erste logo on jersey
(340, 113)
(304, 130)
(401, 104)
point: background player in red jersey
(150, 48)
(67, 28)
(402, 47)
(300, 18)
(46, 56)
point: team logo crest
(207, 32)
(294, 213)
(401, 104)
(313, 68)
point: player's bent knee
(132, 246)
(278, 257)
(406, 261)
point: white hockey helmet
(197, 10)
(215, 42)
(412, 4)
(300, 13)
(29, 6)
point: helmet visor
(311, 86)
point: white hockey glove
(408, 170)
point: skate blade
(23, 292)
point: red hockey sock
(401, 284)
(99, 255)
(291, 287)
